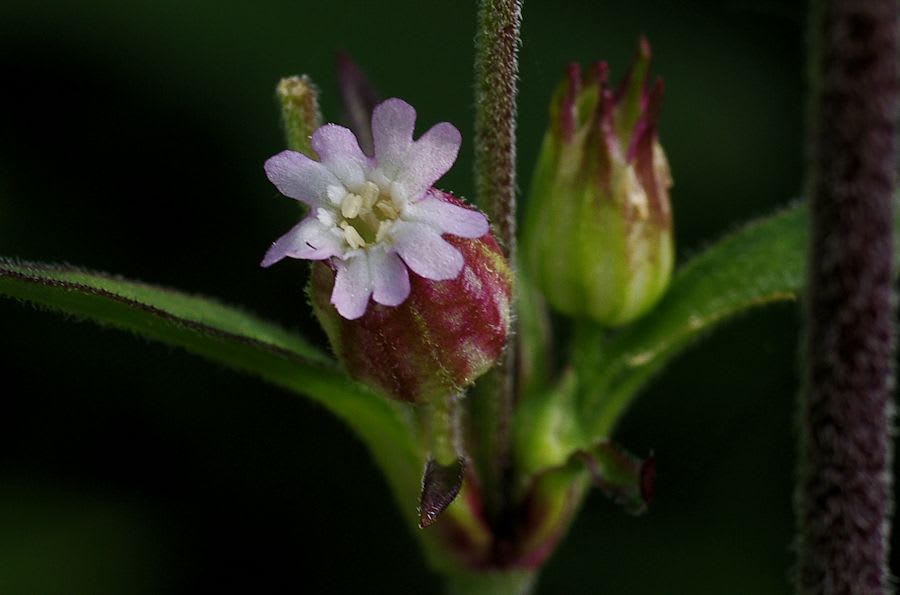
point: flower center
(367, 216)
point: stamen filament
(383, 228)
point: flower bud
(598, 229)
(440, 339)
(300, 115)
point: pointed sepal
(625, 478)
(440, 486)
(598, 226)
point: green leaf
(232, 337)
(762, 263)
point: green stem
(496, 72)
(440, 421)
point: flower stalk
(496, 77)
(844, 490)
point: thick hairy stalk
(844, 484)
(496, 72)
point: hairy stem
(496, 71)
(496, 78)
(844, 486)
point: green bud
(300, 115)
(598, 228)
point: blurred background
(132, 141)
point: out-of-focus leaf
(232, 337)
(535, 339)
(762, 263)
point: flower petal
(393, 122)
(448, 218)
(340, 153)
(299, 177)
(389, 278)
(310, 239)
(429, 158)
(425, 251)
(352, 286)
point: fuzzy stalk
(496, 76)
(843, 497)
(496, 79)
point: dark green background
(132, 140)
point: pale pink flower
(376, 217)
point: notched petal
(449, 218)
(352, 286)
(299, 177)
(426, 252)
(339, 151)
(310, 239)
(429, 158)
(393, 122)
(390, 279)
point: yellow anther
(369, 193)
(351, 205)
(387, 208)
(352, 236)
(369, 219)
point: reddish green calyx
(437, 342)
(616, 126)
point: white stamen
(399, 194)
(387, 208)
(351, 205)
(383, 228)
(336, 194)
(352, 236)
(369, 193)
(325, 216)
